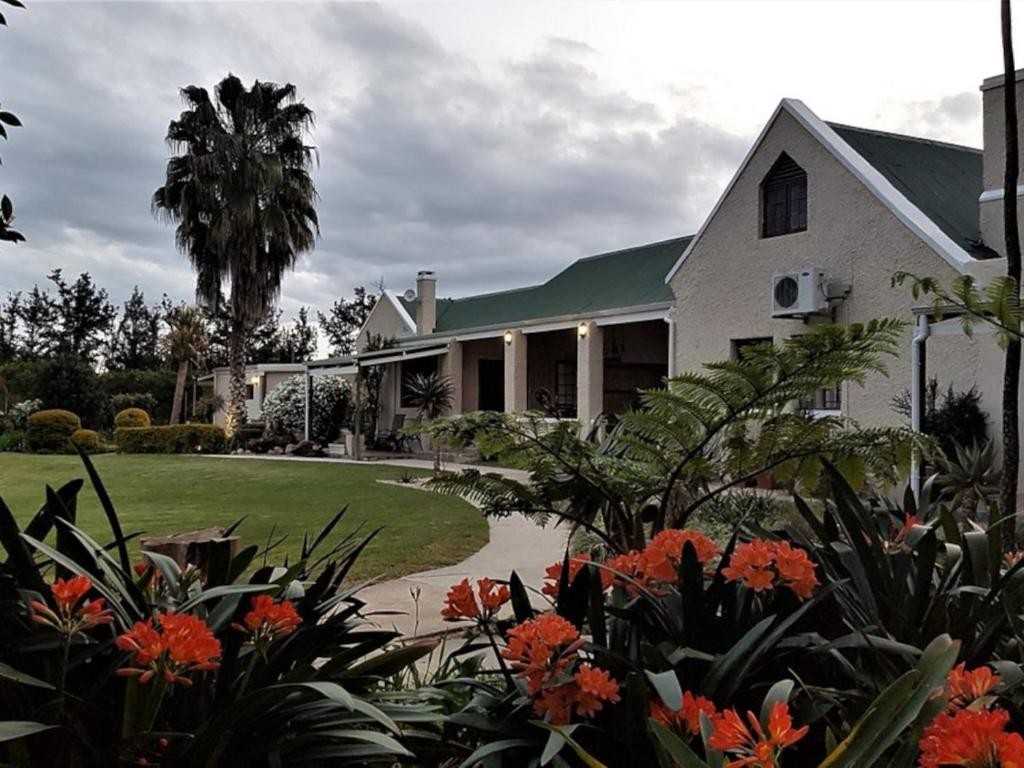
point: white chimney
(426, 306)
(993, 158)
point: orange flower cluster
(181, 644)
(752, 746)
(972, 738)
(761, 565)
(966, 687)
(657, 563)
(461, 603)
(687, 716)
(967, 735)
(543, 653)
(267, 620)
(70, 618)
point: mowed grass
(174, 494)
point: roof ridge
(493, 293)
(905, 137)
(624, 250)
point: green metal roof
(620, 280)
(942, 180)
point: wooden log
(192, 548)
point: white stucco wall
(384, 320)
(723, 289)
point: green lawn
(165, 494)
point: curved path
(516, 544)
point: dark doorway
(492, 385)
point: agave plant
(105, 663)
(972, 477)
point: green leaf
(674, 747)
(667, 686)
(493, 748)
(7, 672)
(588, 759)
(777, 694)
(18, 729)
(10, 119)
(108, 509)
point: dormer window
(784, 199)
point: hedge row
(174, 438)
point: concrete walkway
(516, 544)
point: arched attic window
(784, 199)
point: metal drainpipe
(918, 364)
(308, 394)
(671, 346)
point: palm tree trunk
(236, 415)
(1011, 369)
(179, 392)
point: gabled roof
(942, 180)
(897, 170)
(621, 280)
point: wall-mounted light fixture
(582, 330)
(508, 337)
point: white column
(515, 372)
(308, 403)
(451, 366)
(589, 373)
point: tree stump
(194, 548)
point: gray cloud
(958, 113)
(492, 179)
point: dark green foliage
(172, 438)
(157, 383)
(12, 441)
(71, 383)
(953, 417)
(344, 319)
(142, 400)
(135, 343)
(49, 431)
(83, 318)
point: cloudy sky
(494, 142)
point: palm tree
(186, 344)
(242, 199)
(431, 395)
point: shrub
(951, 417)
(157, 383)
(49, 431)
(132, 417)
(12, 441)
(173, 438)
(86, 439)
(17, 415)
(285, 407)
(141, 400)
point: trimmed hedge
(86, 439)
(172, 438)
(49, 431)
(132, 417)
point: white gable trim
(403, 313)
(868, 175)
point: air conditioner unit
(799, 293)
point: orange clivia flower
(975, 739)
(461, 603)
(629, 566)
(661, 557)
(267, 620)
(687, 716)
(553, 574)
(72, 616)
(752, 746)
(180, 644)
(541, 648)
(762, 565)
(596, 686)
(965, 687)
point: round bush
(86, 439)
(49, 431)
(132, 417)
(284, 409)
